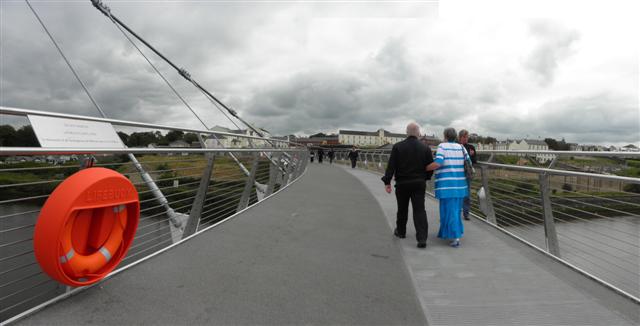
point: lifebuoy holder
(86, 226)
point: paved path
(317, 253)
(321, 252)
(493, 279)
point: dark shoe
(401, 236)
(422, 245)
(466, 218)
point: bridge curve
(318, 252)
(321, 252)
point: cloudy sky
(501, 68)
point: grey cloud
(307, 102)
(387, 88)
(553, 45)
(383, 89)
(596, 118)
(34, 75)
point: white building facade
(226, 141)
(369, 138)
(532, 145)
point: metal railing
(200, 187)
(590, 221)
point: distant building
(484, 147)
(432, 141)
(285, 141)
(228, 141)
(369, 138)
(327, 140)
(502, 145)
(630, 148)
(532, 145)
(592, 148)
(574, 147)
(309, 142)
(179, 143)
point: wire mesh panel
(27, 181)
(516, 201)
(592, 220)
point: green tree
(174, 135)
(552, 143)
(7, 135)
(190, 137)
(143, 139)
(124, 137)
(26, 137)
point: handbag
(469, 171)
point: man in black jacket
(463, 138)
(353, 156)
(408, 161)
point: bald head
(413, 129)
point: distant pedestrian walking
(408, 161)
(311, 156)
(331, 155)
(451, 186)
(463, 139)
(320, 155)
(353, 156)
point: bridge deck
(321, 252)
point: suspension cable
(66, 60)
(157, 71)
(183, 72)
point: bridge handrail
(24, 112)
(10, 151)
(587, 221)
(562, 153)
(561, 172)
(180, 196)
(537, 169)
(514, 152)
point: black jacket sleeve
(391, 166)
(429, 160)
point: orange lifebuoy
(86, 226)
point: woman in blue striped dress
(451, 186)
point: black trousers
(413, 192)
(353, 164)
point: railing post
(244, 199)
(273, 174)
(196, 209)
(550, 234)
(491, 214)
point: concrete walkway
(317, 253)
(493, 279)
(321, 252)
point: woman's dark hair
(449, 134)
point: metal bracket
(196, 209)
(550, 233)
(184, 73)
(244, 199)
(273, 174)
